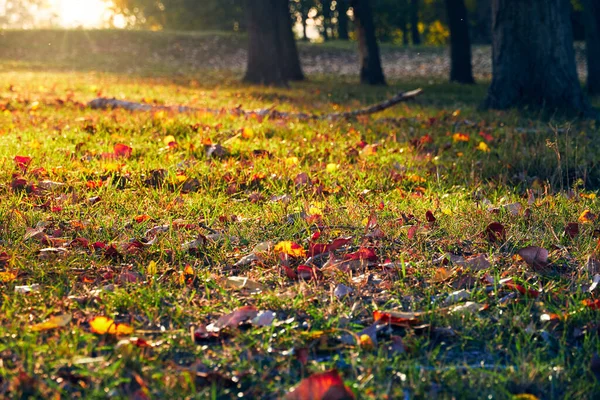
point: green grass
(505, 350)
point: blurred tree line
(397, 21)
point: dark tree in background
(461, 70)
(370, 69)
(289, 50)
(272, 54)
(414, 22)
(342, 19)
(592, 44)
(533, 57)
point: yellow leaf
(291, 161)
(313, 210)
(7, 276)
(366, 342)
(483, 147)
(587, 217)
(56, 321)
(151, 269)
(590, 196)
(169, 139)
(247, 133)
(104, 325)
(290, 248)
(332, 167)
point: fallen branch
(106, 103)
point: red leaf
(593, 304)
(122, 150)
(305, 272)
(22, 162)
(290, 273)
(412, 231)
(429, 217)
(324, 386)
(522, 289)
(495, 232)
(363, 253)
(572, 229)
(396, 318)
(319, 248)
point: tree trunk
(272, 53)
(404, 29)
(370, 71)
(592, 45)
(482, 31)
(342, 24)
(533, 57)
(414, 22)
(461, 70)
(289, 50)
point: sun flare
(81, 13)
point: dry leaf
(104, 325)
(240, 282)
(536, 257)
(324, 386)
(55, 321)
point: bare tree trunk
(533, 57)
(272, 52)
(342, 24)
(414, 22)
(592, 45)
(461, 70)
(370, 72)
(264, 47)
(291, 68)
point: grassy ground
(106, 232)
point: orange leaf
(104, 325)
(290, 248)
(326, 385)
(141, 218)
(6, 276)
(122, 150)
(397, 318)
(460, 137)
(587, 217)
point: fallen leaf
(475, 263)
(593, 265)
(323, 386)
(593, 304)
(6, 276)
(342, 290)
(240, 282)
(587, 217)
(122, 150)
(27, 288)
(595, 282)
(536, 257)
(460, 137)
(572, 229)
(514, 208)
(290, 248)
(55, 321)
(233, 319)
(104, 325)
(469, 306)
(495, 232)
(22, 162)
(264, 318)
(397, 318)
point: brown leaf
(495, 232)
(572, 229)
(536, 257)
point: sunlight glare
(82, 13)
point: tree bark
(414, 22)
(533, 57)
(291, 68)
(272, 52)
(370, 71)
(342, 20)
(592, 45)
(461, 70)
